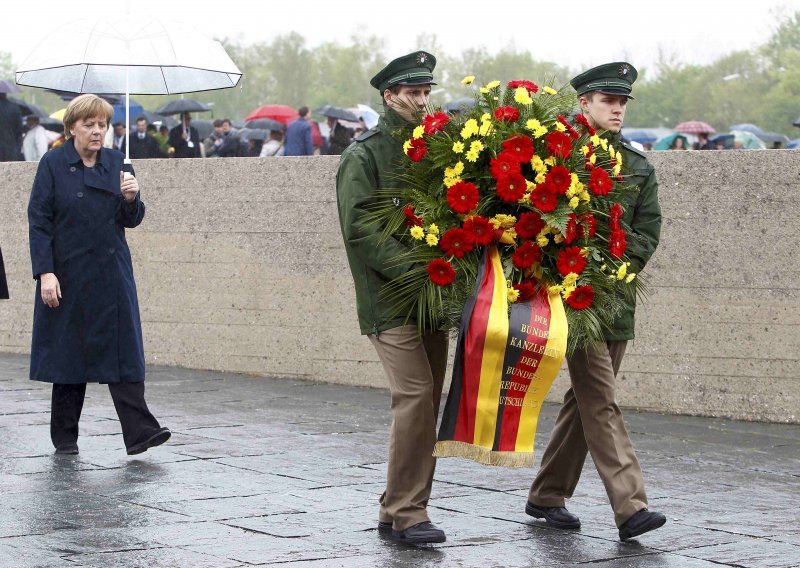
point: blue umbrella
(640, 136)
(119, 111)
(666, 142)
(793, 144)
(747, 127)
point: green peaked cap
(610, 78)
(413, 69)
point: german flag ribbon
(505, 363)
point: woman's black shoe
(161, 436)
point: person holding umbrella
(10, 125)
(184, 141)
(86, 325)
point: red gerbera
(570, 260)
(544, 197)
(511, 188)
(560, 177)
(457, 242)
(519, 146)
(530, 85)
(411, 219)
(581, 298)
(526, 290)
(559, 144)
(435, 122)
(463, 197)
(506, 113)
(417, 150)
(504, 164)
(614, 214)
(480, 227)
(599, 182)
(583, 121)
(617, 243)
(441, 272)
(526, 254)
(588, 225)
(529, 225)
(571, 232)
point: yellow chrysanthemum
(458, 147)
(567, 291)
(468, 80)
(533, 124)
(472, 156)
(492, 84)
(611, 152)
(433, 229)
(593, 159)
(470, 128)
(418, 233)
(484, 90)
(617, 169)
(537, 163)
(476, 146)
(550, 91)
(503, 221)
(540, 177)
(603, 268)
(432, 240)
(574, 202)
(418, 132)
(522, 96)
(585, 197)
(585, 150)
(406, 146)
(542, 241)
(558, 239)
(551, 161)
(619, 158)
(486, 117)
(604, 144)
(530, 185)
(622, 271)
(526, 198)
(451, 181)
(595, 140)
(486, 128)
(560, 127)
(630, 278)
(555, 289)
(513, 295)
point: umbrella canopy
(8, 87)
(695, 127)
(253, 133)
(640, 136)
(264, 124)
(204, 128)
(368, 115)
(793, 144)
(725, 139)
(459, 105)
(336, 112)
(282, 113)
(748, 140)
(747, 127)
(666, 142)
(773, 138)
(182, 105)
(25, 108)
(154, 118)
(59, 114)
(119, 111)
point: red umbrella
(695, 127)
(281, 113)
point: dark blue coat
(77, 219)
(297, 141)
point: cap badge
(421, 57)
(623, 70)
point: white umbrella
(113, 55)
(369, 115)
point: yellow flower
(630, 278)
(574, 202)
(502, 221)
(593, 158)
(617, 169)
(492, 84)
(551, 161)
(470, 128)
(432, 240)
(459, 168)
(468, 80)
(585, 197)
(486, 128)
(558, 239)
(570, 279)
(486, 116)
(522, 97)
(622, 271)
(458, 147)
(540, 177)
(472, 156)
(476, 146)
(619, 158)
(406, 146)
(526, 198)
(418, 233)
(433, 229)
(529, 185)
(604, 144)
(542, 241)
(513, 295)
(603, 268)
(567, 291)
(585, 150)
(484, 90)
(560, 127)
(611, 151)
(418, 132)
(550, 91)
(555, 289)
(451, 181)
(537, 163)
(533, 124)
(595, 139)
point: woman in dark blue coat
(86, 324)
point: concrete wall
(240, 267)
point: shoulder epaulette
(368, 134)
(630, 148)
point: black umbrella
(8, 87)
(154, 118)
(182, 105)
(459, 105)
(336, 112)
(204, 128)
(25, 108)
(266, 124)
(253, 133)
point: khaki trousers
(415, 367)
(590, 420)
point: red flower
(435, 122)
(588, 225)
(559, 144)
(463, 197)
(481, 229)
(616, 243)
(581, 298)
(511, 188)
(506, 113)
(570, 260)
(504, 164)
(525, 255)
(417, 150)
(457, 242)
(544, 198)
(599, 182)
(614, 214)
(441, 272)
(519, 146)
(530, 85)
(411, 219)
(583, 121)
(529, 225)
(571, 232)
(560, 177)
(526, 290)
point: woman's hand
(129, 186)
(51, 289)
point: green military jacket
(372, 162)
(642, 221)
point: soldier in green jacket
(414, 364)
(590, 420)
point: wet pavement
(265, 471)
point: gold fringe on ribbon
(453, 449)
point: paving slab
(272, 471)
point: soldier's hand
(51, 289)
